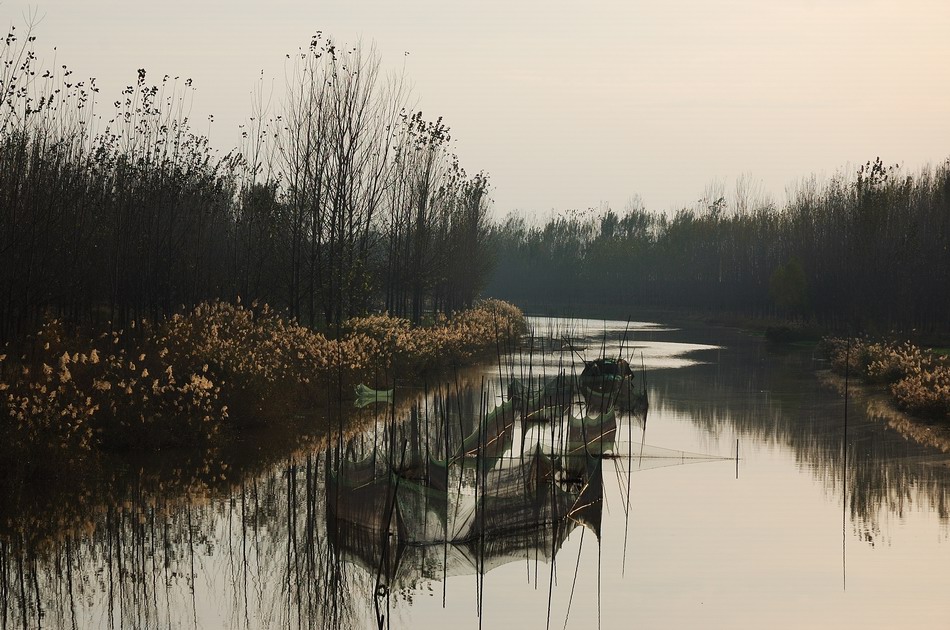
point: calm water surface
(815, 524)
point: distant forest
(340, 200)
(869, 250)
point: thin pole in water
(573, 584)
(623, 340)
(844, 472)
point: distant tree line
(868, 250)
(340, 200)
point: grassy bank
(918, 379)
(183, 380)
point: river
(747, 496)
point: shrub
(77, 395)
(925, 392)
(918, 379)
(175, 381)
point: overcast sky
(572, 105)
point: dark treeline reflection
(303, 544)
(871, 249)
(339, 200)
(779, 401)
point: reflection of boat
(557, 391)
(486, 518)
(473, 502)
(492, 436)
(360, 499)
(626, 398)
(591, 436)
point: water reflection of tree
(257, 553)
(772, 396)
(136, 570)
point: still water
(744, 497)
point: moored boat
(607, 383)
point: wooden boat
(607, 383)
(605, 375)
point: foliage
(75, 395)
(340, 201)
(787, 287)
(464, 337)
(918, 379)
(866, 250)
(182, 378)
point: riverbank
(186, 379)
(918, 379)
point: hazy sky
(570, 105)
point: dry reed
(918, 379)
(181, 379)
